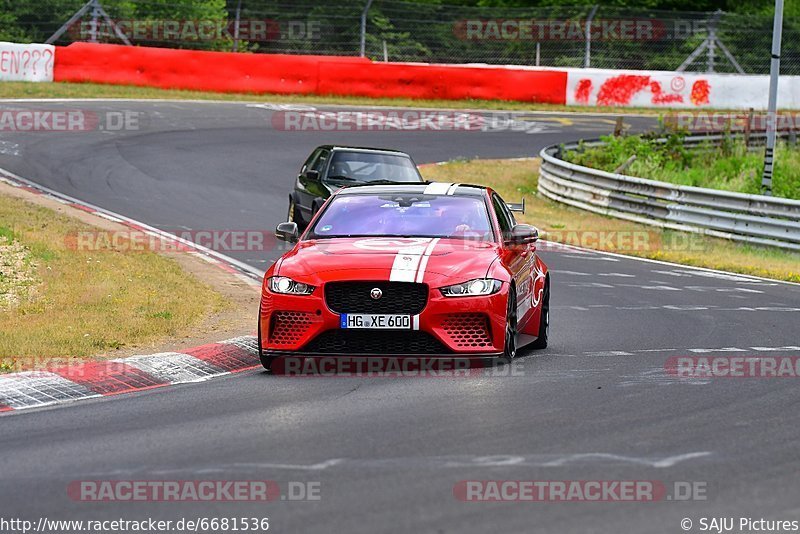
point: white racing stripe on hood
(406, 262)
(425, 257)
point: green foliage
(730, 166)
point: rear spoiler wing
(519, 208)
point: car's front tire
(293, 215)
(266, 360)
(510, 341)
(544, 320)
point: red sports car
(431, 269)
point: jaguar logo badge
(376, 293)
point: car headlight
(287, 286)
(479, 286)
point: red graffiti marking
(619, 90)
(660, 97)
(583, 91)
(700, 92)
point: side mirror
(312, 176)
(523, 234)
(287, 231)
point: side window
(320, 161)
(310, 160)
(504, 216)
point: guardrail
(756, 219)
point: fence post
(587, 60)
(772, 121)
(236, 26)
(364, 28)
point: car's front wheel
(510, 342)
(544, 320)
(266, 360)
(293, 215)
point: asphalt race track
(387, 453)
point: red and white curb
(91, 379)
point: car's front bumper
(460, 327)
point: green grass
(730, 167)
(89, 302)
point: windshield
(404, 215)
(369, 167)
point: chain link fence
(397, 30)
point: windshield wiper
(345, 178)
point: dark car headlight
(287, 286)
(479, 286)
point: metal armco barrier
(756, 219)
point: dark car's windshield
(371, 167)
(403, 215)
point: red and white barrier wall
(353, 76)
(26, 62)
(596, 87)
(295, 74)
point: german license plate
(375, 321)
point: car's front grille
(407, 298)
(390, 342)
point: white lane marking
(590, 284)
(426, 462)
(573, 273)
(107, 216)
(671, 273)
(586, 256)
(721, 276)
(723, 349)
(664, 462)
(788, 348)
(617, 275)
(659, 287)
(437, 188)
(452, 189)
(425, 257)
(283, 107)
(703, 289)
(762, 308)
(609, 353)
(688, 268)
(173, 367)
(66, 199)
